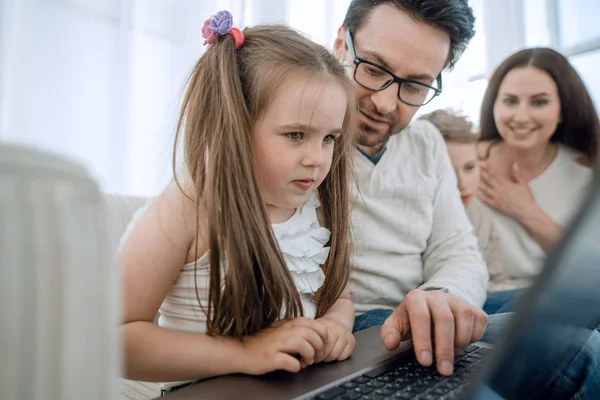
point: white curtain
(100, 81)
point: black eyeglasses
(375, 77)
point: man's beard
(367, 136)
(370, 137)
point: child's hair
(227, 91)
(453, 127)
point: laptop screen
(554, 318)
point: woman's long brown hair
(227, 91)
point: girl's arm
(151, 260)
(339, 321)
(342, 311)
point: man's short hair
(454, 17)
(453, 126)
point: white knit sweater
(409, 225)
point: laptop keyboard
(404, 378)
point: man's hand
(455, 323)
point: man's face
(409, 49)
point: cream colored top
(409, 225)
(489, 245)
(302, 242)
(559, 191)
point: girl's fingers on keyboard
(348, 349)
(285, 362)
(316, 326)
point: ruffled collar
(302, 242)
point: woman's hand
(340, 342)
(288, 345)
(511, 196)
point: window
(570, 27)
(464, 86)
(587, 67)
(474, 60)
(309, 16)
(319, 19)
(537, 31)
(577, 21)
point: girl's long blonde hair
(227, 91)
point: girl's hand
(510, 196)
(340, 343)
(287, 345)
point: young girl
(243, 253)
(462, 149)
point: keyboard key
(351, 395)
(372, 396)
(418, 387)
(477, 355)
(456, 395)
(402, 381)
(395, 386)
(349, 385)
(472, 348)
(484, 351)
(450, 385)
(360, 379)
(363, 389)
(405, 395)
(385, 391)
(377, 371)
(331, 393)
(409, 389)
(440, 391)
(411, 377)
(375, 383)
(455, 380)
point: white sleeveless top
(559, 191)
(302, 242)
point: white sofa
(120, 210)
(59, 282)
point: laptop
(554, 318)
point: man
(416, 263)
(414, 245)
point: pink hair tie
(221, 24)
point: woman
(539, 139)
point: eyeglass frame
(395, 79)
